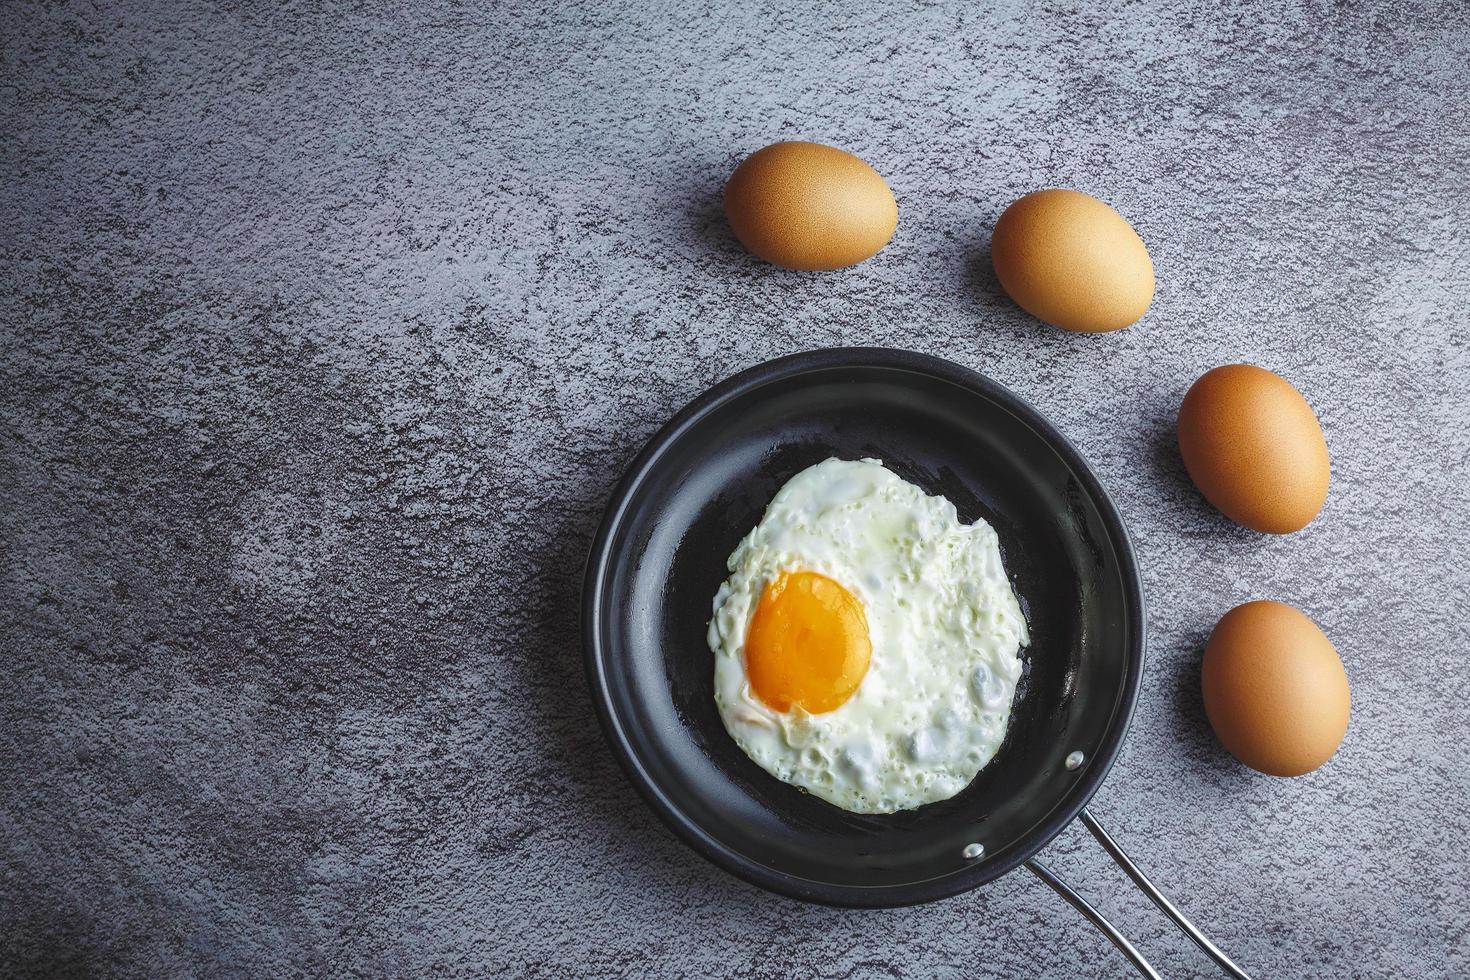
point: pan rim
(603, 551)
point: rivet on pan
(972, 851)
(1075, 760)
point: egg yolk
(807, 646)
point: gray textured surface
(327, 330)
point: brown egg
(1274, 688)
(1253, 447)
(1071, 260)
(809, 206)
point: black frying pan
(704, 481)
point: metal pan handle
(1148, 888)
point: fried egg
(867, 643)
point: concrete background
(327, 329)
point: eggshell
(809, 206)
(1275, 690)
(1069, 259)
(1254, 448)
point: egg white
(946, 633)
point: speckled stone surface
(328, 328)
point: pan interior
(707, 483)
